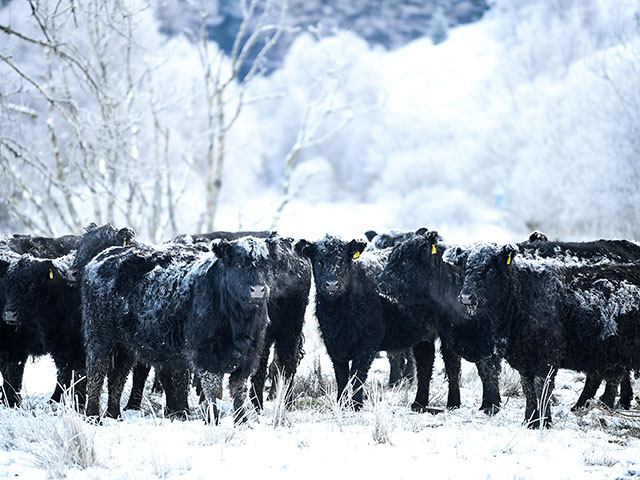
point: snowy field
(316, 440)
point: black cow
(289, 279)
(546, 313)
(38, 298)
(17, 343)
(401, 363)
(593, 252)
(356, 321)
(416, 274)
(175, 308)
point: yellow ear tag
(50, 274)
(509, 260)
(124, 244)
(433, 250)
(356, 255)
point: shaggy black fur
(618, 251)
(546, 314)
(402, 365)
(356, 321)
(175, 308)
(416, 274)
(94, 241)
(38, 298)
(289, 279)
(17, 343)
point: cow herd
(199, 307)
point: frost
(609, 300)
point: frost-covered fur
(38, 298)
(545, 314)
(17, 343)
(356, 321)
(416, 274)
(175, 307)
(94, 241)
(592, 252)
(401, 363)
(289, 280)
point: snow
(320, 442)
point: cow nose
(72, 275)
(331, 285)
(469, 299)
(10, 317)
(258, 291)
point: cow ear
(432, 243)
(507, 253)
(125, 235)
(4, 265)
(91, 226)
(421, 231)
(355, 248)
(370, 234)
(220, 247)
(304, 248)
(455, 256)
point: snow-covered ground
(315, 440)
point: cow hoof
(490, 411)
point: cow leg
(359, 371)
(410, 367)
(259, 377)
(288, 353)
(544, 388)
(63, 382)
(122, 363)
(79, 380)
(608, 397)
(424, 353)
(176, 387)
(489, 369)
(397, 364)
(97, 369)
(591, 385)
(12, 373)
(341, 370)
(238, 390)
(531, 413)
(211, 387)
(452, 367)
(157, 384)
(140, 374)
(626, 392)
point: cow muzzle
(469, 299)
(11, 317)
(258, 292)
(72, 276)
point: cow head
(486, 268)
(331, 259)
(95, 240)
(29, 282)
(244, 262)
(409, 272)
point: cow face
(409, 272)
(486, 268)
(331, 260)
(95, 240)
(29, 283)
(244, 262)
